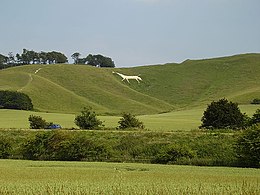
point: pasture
(42, 177)
(184, 120)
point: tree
(87, 119)
(15, 100)
(130, 121)
(75, 57)
(223, 114)
(256, 117)
(248, 147)
(100, 61)
(37, 122)
(3, 61)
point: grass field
(34, 177)
(68, 88)
(173, 121)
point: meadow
(182, 120)
(47, 177)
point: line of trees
(53, 57)
(93, 60)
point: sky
(132, 32)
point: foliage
(87, 119)
(60, 145)
(256, 117)
(15, 100)
(248, 147)
(207, 149)
(173, 153)
(130, 121)
(223, 114)
(5, 147)
(255, 101)
(100, 61)
(37, 122)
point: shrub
(255, 101)
(223, 114)
(173, 153)
(256, 117)
(35, 148)
(62, 145)
(248, 147)
(15, 100)
(5, 148)
(37, 122)
(130, 121)
(87, 119)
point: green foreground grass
(184, 120)
(39, 177)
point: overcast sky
(132, 32)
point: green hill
(193, 83)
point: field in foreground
(177, 120)
(38, 177)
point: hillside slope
(68, 88)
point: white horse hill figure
(125, 77)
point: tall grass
(33, 177)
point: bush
(130, 121)
(35, 148)
(174, 153)
(87, 119)
(248, 147)
(223, 114)
(37, 122)
(256, 117)
(5, 148)
(255, 101)
(62, 145)
(15, 100)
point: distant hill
(193, 83)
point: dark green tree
(248, 147)
(99, 61)
(15, 100)
(256, 117)
(3, 61)
(223, 114)
(37, 122)
(87, 119)
(130, 121)
(75, 57)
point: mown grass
(184, 120)
(34, 177)
(193, 83)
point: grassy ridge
(193, 83)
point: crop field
(178, 120)
(39, 177)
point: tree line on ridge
(53, 57)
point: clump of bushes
(173, 153)
(255, 101)
(130, 121)
(248, 147)
(5, 148)
(88, 119)
(223, 114)
(15, 100)
(62, 145)
(37, 122)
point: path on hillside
(29, 81)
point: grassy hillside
(193, 83)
